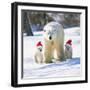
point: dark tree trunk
(45, 18)
(28, 25)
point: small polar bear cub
(38, 53)
(68, 49)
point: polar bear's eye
(44, 30)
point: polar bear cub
(38, 53)
(68, 49)
(53, 46)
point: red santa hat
(69, 42)
(39, 44)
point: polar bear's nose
(40, 50)
(50, 37)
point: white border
(82, 28)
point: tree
(27, 23)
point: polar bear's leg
(47, 57)
(59, 52)
(36, 59)
(66, 54)
(48, 53)
(62, 58)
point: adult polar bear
(53, 42)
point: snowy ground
(57, 69)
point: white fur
(55, 44)
(68, 52)
(38, 55)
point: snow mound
(61, 69)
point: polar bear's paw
(48, 61)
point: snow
(70, 67)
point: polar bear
(38, 55)
(53, 47)
(68, 49)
